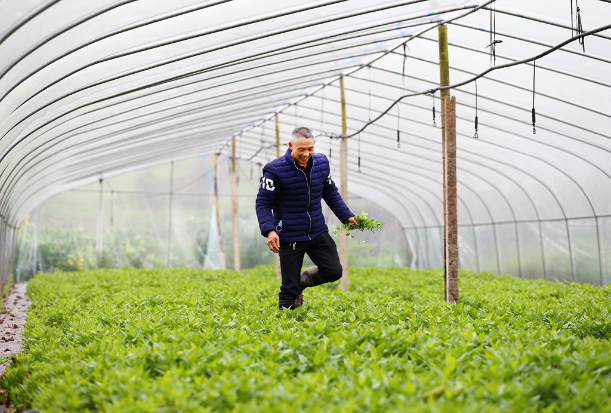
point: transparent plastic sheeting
(90, 90)
(131, 227)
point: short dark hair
(303, 132)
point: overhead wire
(482, 74)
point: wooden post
(100, 223)
(444, 80)
(218, 215)
(448, 144)
(168, 263)
(343, 188)
(234, 209)
(450, 202)
(278, 269)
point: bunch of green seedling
(364, 224)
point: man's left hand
(352, 220)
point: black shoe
(291, 305)
(310, 278)
(299, 300)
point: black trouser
(321, 250)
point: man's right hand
(273, 241)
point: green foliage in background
(191, 340)
(75, 249)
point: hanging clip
(279, 226)
(534, 121)
(398, 139)
(475, 135)
(431, 93)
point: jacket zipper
(307, 182)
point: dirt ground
(12, 324)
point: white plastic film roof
(93, 89)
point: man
(290, 216)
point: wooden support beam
(450, 202)
(444, 80)
(218, 215)
(169, 251)
(343, 188)
(234, 209)
(278, 270)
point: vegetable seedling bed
(194, 340)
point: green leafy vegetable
(193, 340)
(365, 224)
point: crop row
(193, 340)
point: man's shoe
(298, 301)
(291, 305)
(310, 278)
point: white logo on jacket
(267, 183)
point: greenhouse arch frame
(91, 91)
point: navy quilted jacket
(291, 207)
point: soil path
(12, 322)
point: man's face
(303, 150)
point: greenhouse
(139, 140)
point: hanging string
(533, 110)
(359, 151)
(434, 121)
(580, 27)
(296, 116)
(322, 109)
(402, 92)
(404, 59)
(112, 209)
(493, 40)
(398, 133)
(475, 135)
(572, 29)
(369, 93)
(251, 170)
(330, 148)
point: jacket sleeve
(332, 197)
(266, 200)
